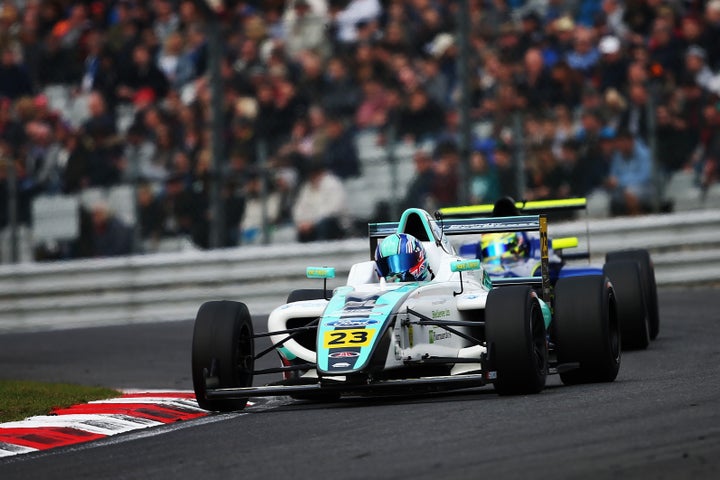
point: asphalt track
(660, 419)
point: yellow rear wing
(536, 207)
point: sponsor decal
(491, 375)
(340, 365)
(439, 336)
(440, 314)
(320, 272)
(358, 315)
(351, 322)
(354, 305)
(509, 225)
(356, 337)
(466, 265)
(344, 354)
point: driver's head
(401, 257)
(500, 248)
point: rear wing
(536, 207)
(467, 226)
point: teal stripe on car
(379, 314)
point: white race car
(458, 329)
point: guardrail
(162, 287)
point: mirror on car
(465, 265)
(320, 272)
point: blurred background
(174, 125)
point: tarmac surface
(659, 419)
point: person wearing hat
(562, 31)
(613, 65)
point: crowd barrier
(685, 248)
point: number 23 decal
(347, 338)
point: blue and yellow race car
(514, 255)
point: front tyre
(517, 340)
(586, 329)
(222, 353)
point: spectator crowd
(609, 95)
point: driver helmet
(401, 257)
(502, 248)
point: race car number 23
(357, 337)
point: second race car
(517, 254)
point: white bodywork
(439, 299)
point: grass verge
(22, 399)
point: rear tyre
(222, 353)
(517, 339)
(649, 286)
(632, 314)
(586, 329)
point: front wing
(425, 384)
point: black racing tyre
(517, 340)
(222, 352)
(647, 275)
(630, 300)
(586, 329)
(306, 294)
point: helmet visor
(495, 251)
(398, 265)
